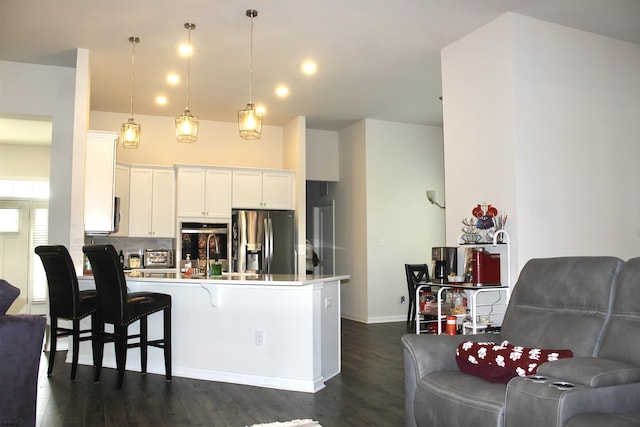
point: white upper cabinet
(122, 191)
(152, 202)
(203, 193)
(256, 189)
(100, 159)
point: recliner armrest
(591, 371)
(427, 353)
(551, 402)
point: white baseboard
(225, 377)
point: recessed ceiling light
(309, 67)
(261, 109)
(161, 100)
(282, 91)
(185, 49)
(173, 79)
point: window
(25, 189)
(39, 236)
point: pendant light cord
(133, 41)
(189, 63)
(251, 59)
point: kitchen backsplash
(132, 245)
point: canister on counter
(451, 328)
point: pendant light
(187, 124)
(249, 120)
(130, 131)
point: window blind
(39, 236)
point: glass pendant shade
(187, 124)
(130, 131)
(187, 127)
(130, 134)
(249, 123)
(249, 120)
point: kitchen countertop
(169, 276)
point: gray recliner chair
(21, 340)
(557, 303)
(605, 389)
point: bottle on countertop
(187, 267)
(216, 268)
(121, 259)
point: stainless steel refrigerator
(263, 242)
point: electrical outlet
(402, 300)
(259, 338)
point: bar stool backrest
(111, 284)
(64, 299)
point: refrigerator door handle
(270, 244)
(266, 262)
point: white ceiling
(376, 58)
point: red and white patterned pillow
(499, 363)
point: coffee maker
(445, 263)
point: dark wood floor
(368, 392)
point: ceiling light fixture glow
(249, 120)
(309, 68)
(282, 91)
(130, 131)
(173, 79)
(161, 100)
(187, 124)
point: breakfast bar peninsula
(277, 331)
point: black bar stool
(417, 274)
(66, 301)
(119, 308)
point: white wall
(322, 155)
(351, 219)
(383, 218)
(51, 92)
(294, 155)
(403, 162)
(24, 161)
(218, 143)
(555, 112)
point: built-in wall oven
(194, 239)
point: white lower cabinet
(256, 189)
(203, 193)
(151, 202)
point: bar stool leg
(76, 348)
(98, 349)
(95, 333)
(53, 344)
(121, 352)
(167, 343)
(143, 345)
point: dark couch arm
(21, 339)
(424, 354)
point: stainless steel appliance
(158, 258)
(264, 242)
(445, 263)
(194, 239)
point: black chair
(119, 308)
(66, 301)
(417, 274)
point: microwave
(158, 258)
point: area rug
(294, 423)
